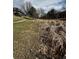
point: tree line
(28, 10)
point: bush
(53, 42)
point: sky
(44, 4)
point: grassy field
(26, 36)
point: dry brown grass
(26, 41)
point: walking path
(20, 21)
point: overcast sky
(45, 4)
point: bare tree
(26, 7)
(40, 12)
